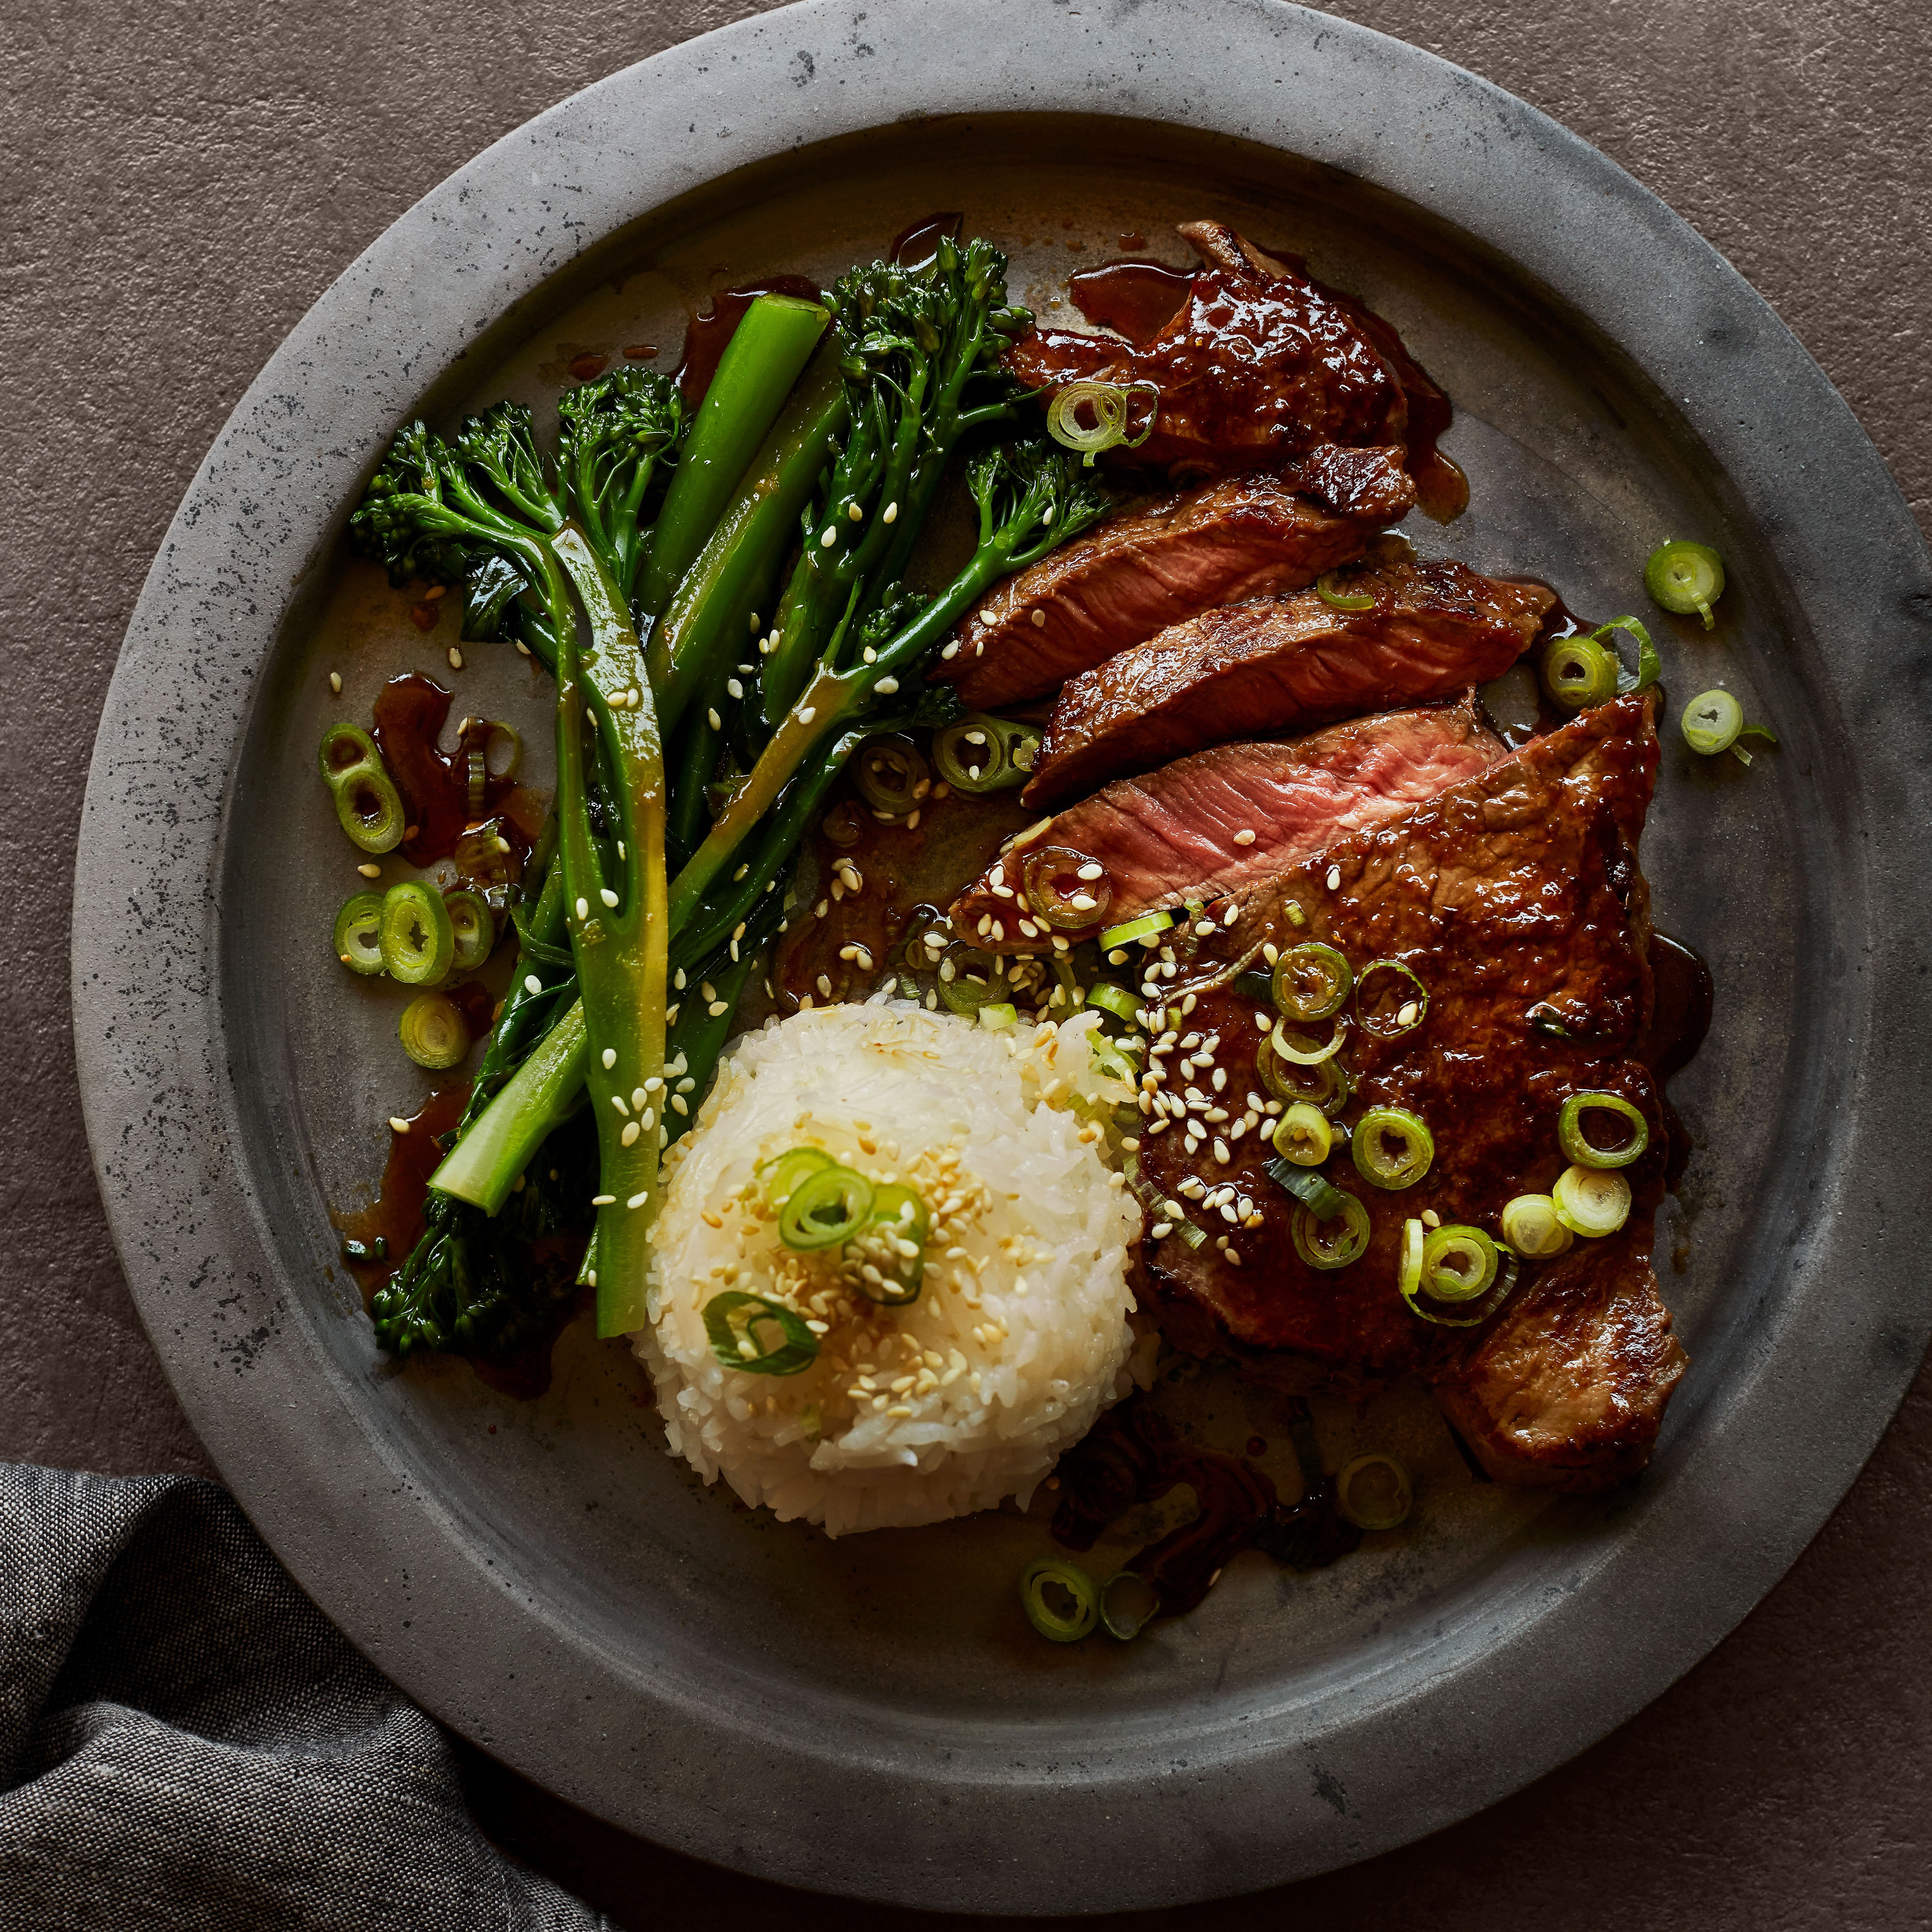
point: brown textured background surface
(177, 183)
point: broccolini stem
(484, 1166)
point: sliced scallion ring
(737, 1324)
(970, 755)
(784, 1171)
(1303, 1136)
(1531, 1228)
(1335, 1242)
(1408, 1282)
(358, 934)
(1145, 927)
(1392, 1147)
(1110, 404)
(1021, 743)
(419, 942)
(1318, 1194)
(1059, 894)
(1685, 577)
(1649, 665)
(1325, 1085)
(1592, 1201)
(1332, 587)
(1373, 1492)
(1579, 671)
(824, 1209)
(996, 1015)
(432, 1032)
(502, 750)
(1115, 999)
(473, 925)
(366, 802)
(1302, 1051)
(967, 981)
(1060, 1600)
(1458, 1263)
(1572, 1130)
(1391, 1009)
(1128, 1602)
(1311, 981)
(1712, 721)
(889, 772)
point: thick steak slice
(1567, 1388)
(1227, 818)
(1247, 536)
(1513, 893)
(1285, 664)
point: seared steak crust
(1228, 817)
(1516, 890)
(1285, 664)
(1138, 572)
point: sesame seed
(829, 537)
(1161, 1230)
(888, 686)
(853, 511)
(1244, 837)
(335, 682)
(610, 1058)
(951, 649)
(371, 871)
(531, 984)
(1407, 1015)
(583, 908)
(678, 1101)
(1082, 902)
(810, 712)
(1040, 620)
(637, 1200)
(1334, 877)
(718, 1008)
(752, 622)
(631, 1130)
(617, 1101)
(604, 893)
(603, 1200)
(735, 689)
(712, 718)
(398, 1125)
(455, 659)
(1221, 1153)
(891, 515)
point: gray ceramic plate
(872, 1716)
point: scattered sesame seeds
(335, 682)
(531, 984)
(1039, 619)
(887, 686)
(712, 718)
(583, 908)
(455, 659)
(891, 515)
(370, 871)
(631, 1130)
(857, 515)
(637, 1200)
(604, 893)
(829, 537)
(603, 1200)
(734, 688)
(1334, 878)
(398, 1125)
(810, 712)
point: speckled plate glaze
(872, 1717)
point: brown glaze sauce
(916, 245)
(1134, 1455)
(1136, 299)
(709, 334)
(1680, 1019)
(395, 1217)
(410, 712)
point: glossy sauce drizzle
(708, 335)
(395, 1216)
(410, 712)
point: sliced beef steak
(1227, 818)
(1567, 1388)
(1137, 573)
(1512, 892)
(1285, 664)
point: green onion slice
(1572, 1130)
(1145, 927)
(900, 1220)
(1331, 586)
(473, 924)
(736, 1323)
(1458, 1262)
(971, 983)
(1302, 1136)
(1392, 1147)
(432, 1032)
(358, 934)
(1685, 577)
(1115, 999)
(1409, 1284)
(366, 799)
(1311, 981)
(1393, 1009)
(1649, 665)
(824, 1208)
(1058, 893)
(1333, 1241)
(1530, 1225)
(974, 755)
(784, 1171)
(1373, 1492)
(1592, 1201)
(1318, 1194)
(1128, 1602)
(996, 1015)
(890, 773)
(1060, 1599)
(1579, 671)
(417, 941)
(1713, 720)
(1110, 404)
(1326, 1084)
(1302, 1051)
(1021, 743)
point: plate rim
(163, 1084)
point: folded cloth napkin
(186, 1742)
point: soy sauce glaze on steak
(1516, 890)
(1230, 816)
(1140, 571)
(1259, 368)
(1286, 663)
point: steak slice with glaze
(1515, 891)
(1140, 571)
(1286, 663)
(1177, 833)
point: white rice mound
(1019, 1336)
